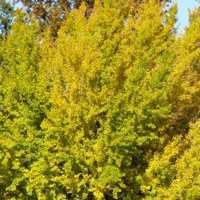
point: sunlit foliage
(103, 111)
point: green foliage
(6, 16)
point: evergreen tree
(6, 16)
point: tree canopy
(54, 12)
(109, 109)
(6, 16)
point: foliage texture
(109, 109)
